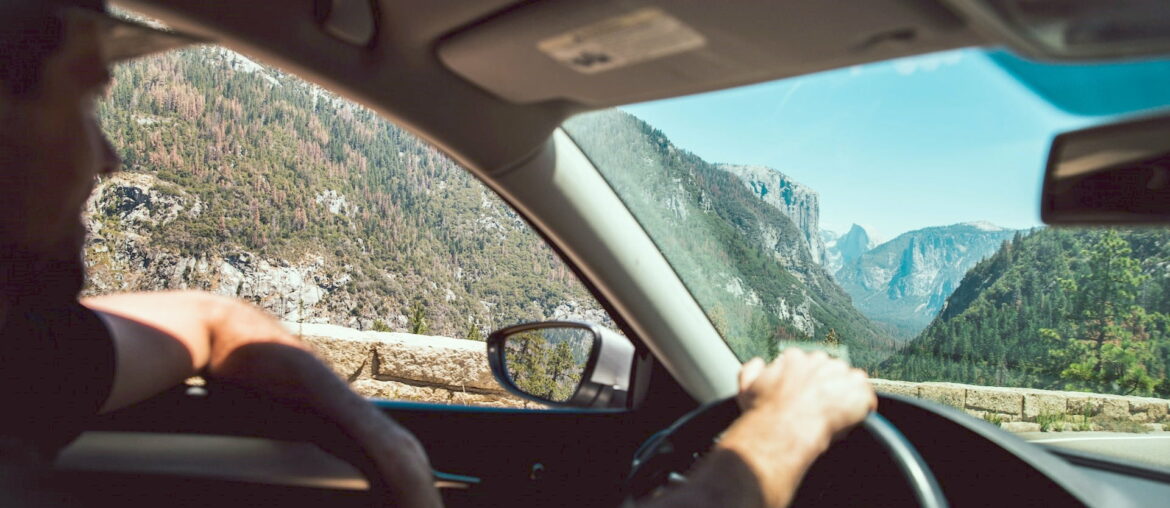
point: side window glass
(385, 255)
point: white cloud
(928, 63)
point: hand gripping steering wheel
(676, 447)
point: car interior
(482, 80)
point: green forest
(547, 364)
(1066, 309)
(263, 153)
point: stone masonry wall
(1022, 409)
(402, 366)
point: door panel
(530, 457)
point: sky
(894, 146)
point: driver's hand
(792, 410)
(809, 388)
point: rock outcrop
(127, 218)
(133, 219)
(798, 202)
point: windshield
(891, 210)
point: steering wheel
(676, 447)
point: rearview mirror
(1073, 29)
(1116, 174)
(563, 363)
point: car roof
(482, 79)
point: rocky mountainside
(245, 181)
(749, 265)
(796, 201)
(905, 282)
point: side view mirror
(563, 363)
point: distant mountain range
(902, 283)
(906, 281)
(745, 239)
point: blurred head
(55, 58)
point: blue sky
(894, 146)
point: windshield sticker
(646, 34)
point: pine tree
(561, 369)
(473, 333)
(1105, 344)
(418, 319)
(527, 364)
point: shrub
(994, 418)
(1049, 421)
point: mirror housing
(563, 363)
(1117, 174)
(1073, 30)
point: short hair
(30, 32)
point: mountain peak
(860, 236)
(846, 249)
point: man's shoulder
(62, 357)
(54, 316)
(4, 306)
(51, 330)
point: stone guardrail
(1028, 410)
(403, 366)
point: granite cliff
(796, 201)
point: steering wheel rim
(676, 446)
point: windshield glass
(892, 210)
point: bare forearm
(245, 353)
(745, 471)
(161, 338)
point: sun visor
(609, 53)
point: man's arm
(792, 410)
(162, 338)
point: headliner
(467, 75)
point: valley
(244, 181)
